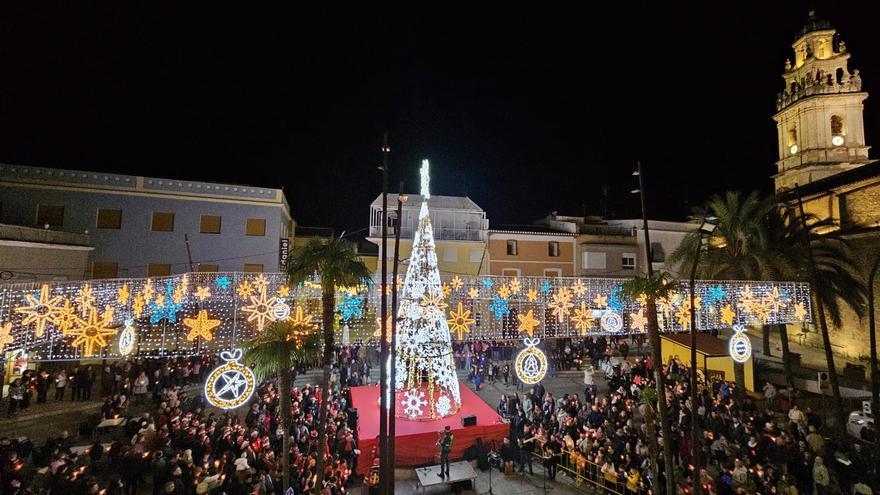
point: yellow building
(713, 357)
(531, 251)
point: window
(209, 224)
(163, 222)
(209, 267)
(49, 214)
(253, 267)
(594, 261)
(256, 226)
(792, 136)
(511, 247)
(510, 272)
(109, 218)
(476, 255)
(837, 125)
(450, 254)
(553, 249)
(552, 272)
(105, 269)
(158, 269)
(628, 261)
(658, 254)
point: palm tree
(273, 352)
(337, 264)
(653, 287)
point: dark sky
(524, 109)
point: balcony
(43, 236)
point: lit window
(158, 269)
(253, 267)
(256, 226)
(628, 261)
(163, 222)
(511, 247)
(209, 267)
(209, 224)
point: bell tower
(819, 113)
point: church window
(837, 125)
(792, 136)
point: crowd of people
(179, 446)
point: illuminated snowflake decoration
(714, 294)
(5, 335)
(615, 301)
(41, 309)
(545, 287)
(583, 318)
(443, 406)
(515, 286)
(561, 304)
(487, 283)
(413, 402)
(223, 282)
(499, 307)
(165, 307)
(92, 333)
(261, 309)
(350, 306)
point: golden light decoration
(429, 300)
(179, 292)
(202, 293)
(776, 300)
(85, 298)
(532, 295)
(260, 309)
(91, 333)
(137, 307)
(515, 286)
(230, 385)
(378, 332)
(283, 291)
(600, 301)
(245, 289)
(148, 291)
(583, 318)
(638, 321)
(683, 315)
(579, 288)
(740, 346)
(40, 310)
(261, 282)
(65, 318)
(531, 363)
(5, 335)
(461, 321)
(445, 289)
(473, 293)
(799, 311)
(301, 325)
(456, 282)
(642, 299)
(108, 313)
(122, 294)
(503, 292)
(527, 323)
(561, 304)
(727, 314)
(389, 286)
(201, 326)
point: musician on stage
(552, 449)
(525, 453)
(445, 444)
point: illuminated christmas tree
(426, 386)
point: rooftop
(435, 202)
(813, 24)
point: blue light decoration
(223, 282)
(714, 294)
(487, 283)
(168, 310)
(499, 307)
(350, 306)
(615, 301)
(545, 288)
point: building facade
(32, 254)
(530, 251)
(148, 226)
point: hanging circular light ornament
(740, 345)
(230, 385)
(611, 321)
(127, 338)
(531, 363)
(281, 310)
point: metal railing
(584, 471)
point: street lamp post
(384, 462)
(392, 378)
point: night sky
(525, 110)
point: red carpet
(416, 440)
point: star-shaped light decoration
(473, 293)
(600, 301)
(545, 287)
(445, 289)
(714, 294)
(164, 306)
(122, 294)
(499, 307)
(389, 286)
(148, 291)
(5, 335)
(461, 321)
(642, 299)
(527, 323)
(615, 301)
(579, 288)
(532, 295)
(65, 318)
(261, 282)
(201, 326)
(515, 286)
(203, 292)
(683, 315)
(561, 304)
(378, 332)
(583, 318)
(638, 321)
(503, 292)
(487, 283)
(283, 291)
(223, 282)
(429, 301)
(40, 309)
(776, 300)
(456, 283)
(179, 293)
(137, 306)
(727, 314)
(800, 312)
(260, 309)
(301, 325)
(245, 289)
(91, 333)
(85, 298)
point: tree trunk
(327, 303)
(786, 357)
(765, 340)
(284, 405)
(739, 374)
(651, 431)
(839, 415)
(660, 385)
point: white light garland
(739, 345)
(230, 385)
(611, 321)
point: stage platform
(458, 471)
(416, 441)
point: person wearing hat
(445, 444)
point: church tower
(819, 113)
